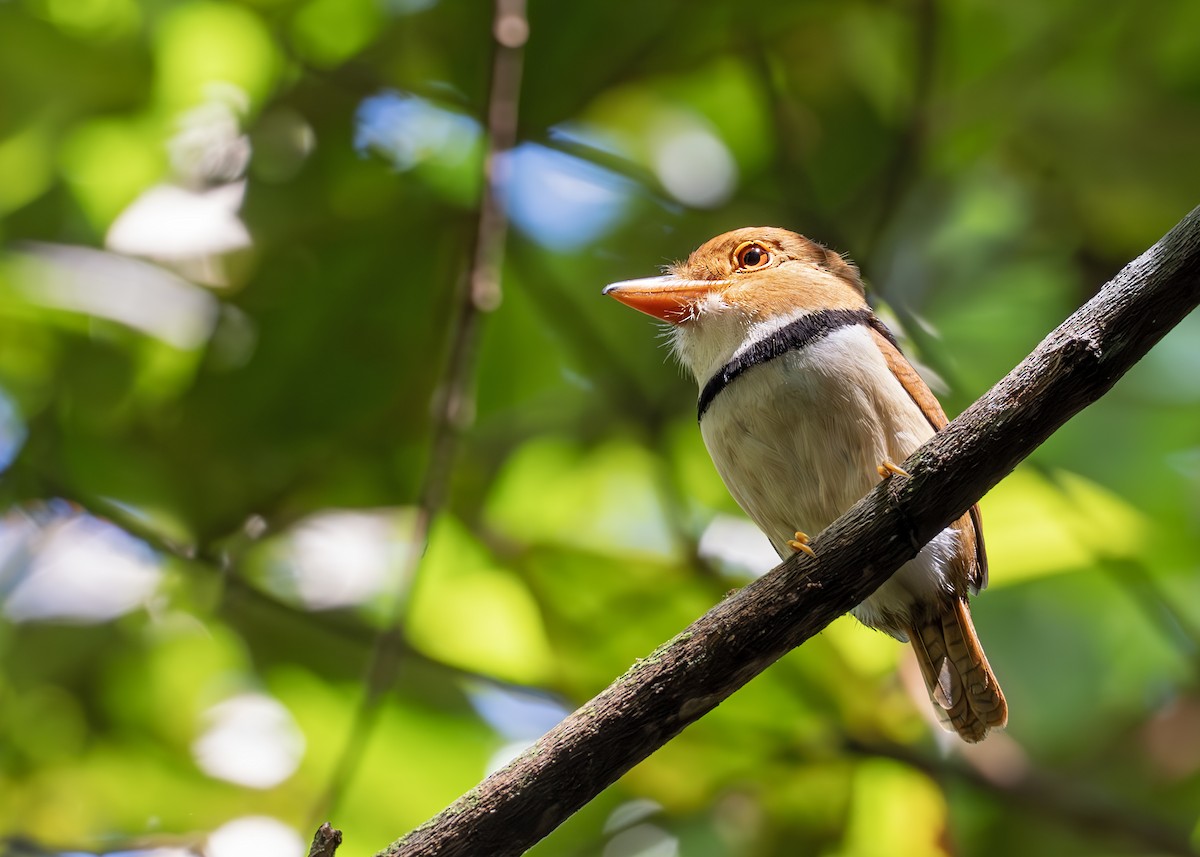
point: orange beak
(666, 298)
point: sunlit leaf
(110, 161)
(896, 811)
(202, 43)
(1037, 525)
(602, 499)
(329, 31)
(496, 626)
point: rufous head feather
(758, 272)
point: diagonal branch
(740, 637)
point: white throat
(720, 333)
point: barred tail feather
(963, 687)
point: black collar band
(802, 332)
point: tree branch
(691, 674)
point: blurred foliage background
(231, 238)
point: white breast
(797, 441)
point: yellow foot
(889, 467)
(800, 543)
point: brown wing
(970, 525)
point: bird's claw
(800, 543)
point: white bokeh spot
(73, 567)
(738, 544)
(255, 836)
(251, 740)
(343, 558)
(692, 162)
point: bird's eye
(751, 256)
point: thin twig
(454, 400)
(800, 196)
(740, 637)
(325, 842)
(1145, 592)
(907, 150)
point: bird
(805, 402)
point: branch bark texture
(691, 674)
(325, 841)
